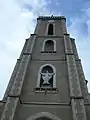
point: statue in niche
(46, 77)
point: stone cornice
(51, 18)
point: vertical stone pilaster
(11, 82)
(9, 109)
(30, 44)
(77, 101)
(24, 48)
(17, 86)
(82, 81)
(63, 22)
(75, 89)
(68, 45)
(78, 109)
(37, 27)
(18, 79)
(74, 48)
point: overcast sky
(17, 22)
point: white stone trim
(44, 114)
(51, 21)
(53, 28)
(46, 41)
(32, 44)
(54, 76)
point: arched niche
(43, 116)
(47, 70)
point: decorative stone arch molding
(54, 76)
(48, 40)
(44, 114)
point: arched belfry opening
(49, 46)
(50, 29)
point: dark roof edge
(51, 18)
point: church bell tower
(48, 82)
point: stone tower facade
(48, 82)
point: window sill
(45, 90)
(50, 35)
(48, 51)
